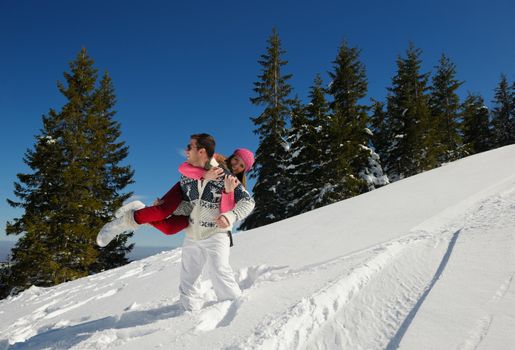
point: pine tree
(409, 151)
(512, 124)
(445, 119)
(379, 127)
(73, 188)
(350, 166)
(296, 160)
(271, 191)
(503, 114)
(477, 135)
(310, 152)
(379, 132)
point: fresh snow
(427, 262)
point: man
(207, 238)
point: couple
(206, 202)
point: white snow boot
(134, 205)
(123, 222)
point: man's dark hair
(206, 142)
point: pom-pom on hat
(246, 156)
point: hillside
(425, 263)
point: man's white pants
(195, 254)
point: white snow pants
(195, 254)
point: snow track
(355, 306)
(477, 253)
(327, 319)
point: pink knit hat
(246, 156)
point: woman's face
(237, 165)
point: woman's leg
(172, 224)
(171, 201)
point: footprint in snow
(248, 276)
(219, 315)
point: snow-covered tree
(353, 167)
(477, 136)
(445, 117)
(310, 151)
(271, 191)
(503, 113)
(379, 127)
(409, 150)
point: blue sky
(186, 67)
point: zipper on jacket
(201, 185)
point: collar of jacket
(211, 164)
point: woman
(160, 214)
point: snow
(427, 262)
(373, 174)
(48, 139)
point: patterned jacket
(201, 202)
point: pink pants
(160, 216)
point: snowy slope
(425, 263)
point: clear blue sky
(186, 67)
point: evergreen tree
(379, 128)
(503, 114)
(477, 135)
(512, 124)
(445, 119)
(351, 168)
(409, 151)
(310, 151)
(296, 160)
(271, 191)
(378, 131)
(73, 188)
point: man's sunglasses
(189, 147)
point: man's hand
(215, 173)
(222, 222)
(158, 202)
(230, 182)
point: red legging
(159, 215)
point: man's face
(193, 153)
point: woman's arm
(227, 202)
(191, 171)
(197, 173)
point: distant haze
(138, 253)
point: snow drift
(425, 263)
